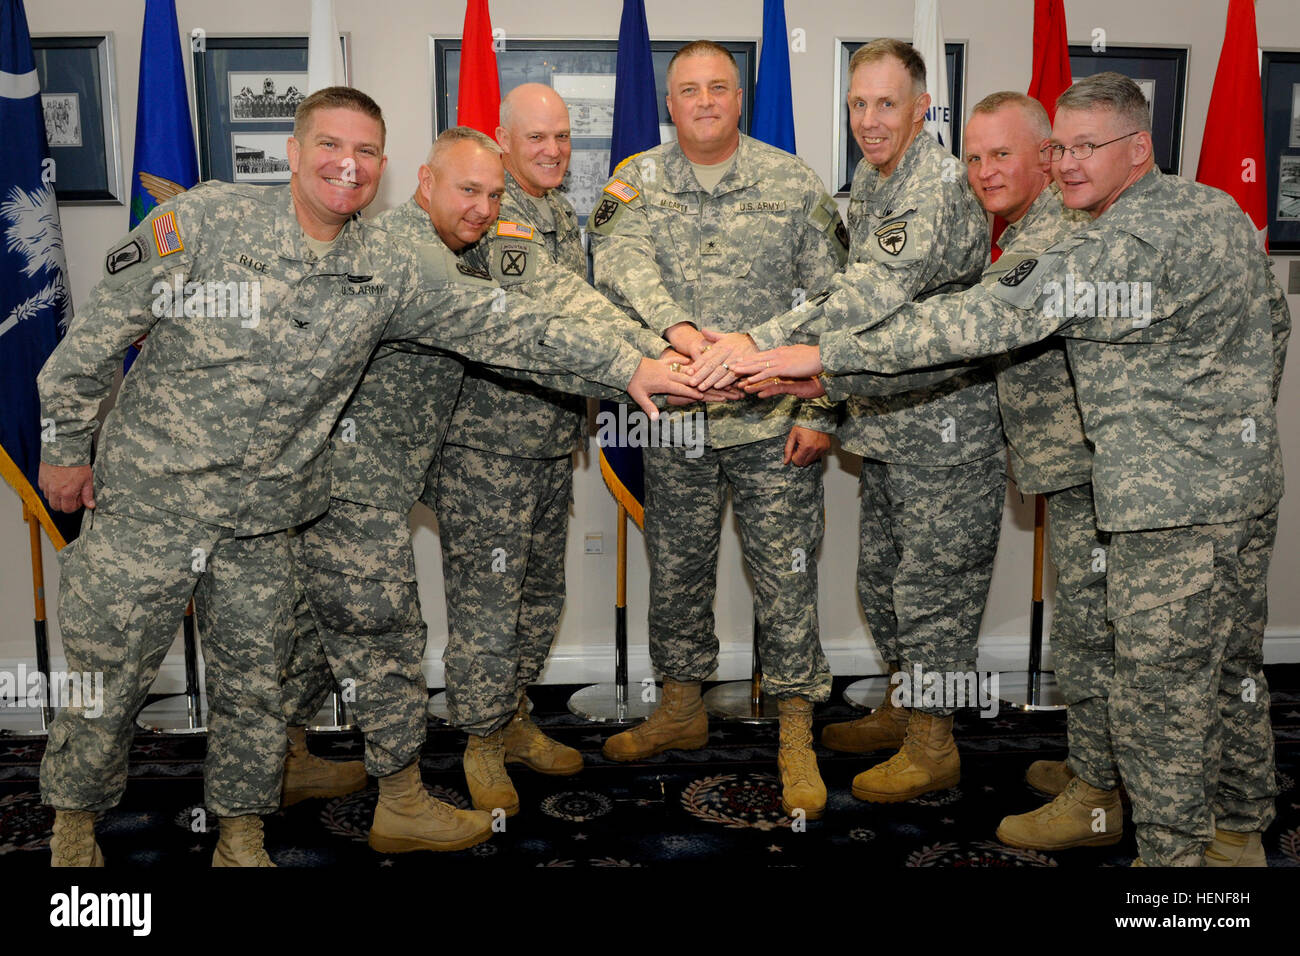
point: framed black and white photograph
(1161, 73)
(265, 97)
(582, 72)
(1280, 78)
(246, 90)
(846, 151)
(79, 101)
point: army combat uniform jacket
(767, 237)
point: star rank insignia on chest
(892, 237)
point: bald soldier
(215, 447)
(507, 493)
(357, 565)
(1176, 334)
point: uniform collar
(347, 254)
(888, 187)
(679, 175)
(1047, 203)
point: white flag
(927, 37)
(324, 53)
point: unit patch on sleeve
(892, 237)
(124, 256)
(604, 212)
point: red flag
(479, 101)
(1232, 150)
(1051, 54)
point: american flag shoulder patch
(621, 190)
(165, 235)
(514, 230)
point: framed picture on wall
(1280, 77)
(582, 72)
(245, 92)
(1161, 73)
(846, 151)
(79, 99)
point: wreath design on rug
(981, 853)
(577, 806)
(737, 801)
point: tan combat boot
(886, 726)
(73, 842)
(927, 762)
(485, 772)
(407, 818)
(1236, 849)
(678, 723)
(1049, 777)
(307, 776)
(240, 843)
(801, 784)
(526, 744)
(1068, 821)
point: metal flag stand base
(743, 700)
(869, 693)
(185, 713)
(619, 702)
(1033, 689)
(333, 718)
(27, 721)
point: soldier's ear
(922, 107)
(1142, 148)
(425, 176)
(295, 153)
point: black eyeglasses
(1083, 150)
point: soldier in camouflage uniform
(706, 232)
(933, 479)
(215, 446)
(1176, 333)
(503, 506)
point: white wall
(390, 61)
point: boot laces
(74, 839)
(492, 759)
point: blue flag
(35, 300)
(636, 128)
(165, 159)
(773, 104)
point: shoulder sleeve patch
(132, 252)
(604, 214)
(621, 191)
(166, 234)
(514, 230)
(1022, 284)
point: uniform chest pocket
(342, 333)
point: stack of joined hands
(724, 366)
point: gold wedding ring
(676, 366)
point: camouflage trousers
(779, 512)
(1083, 642)
(363, 628)
(926, 540)
(1189, 708)
(125, 583)
(503, 523)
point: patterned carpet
(716, 806)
